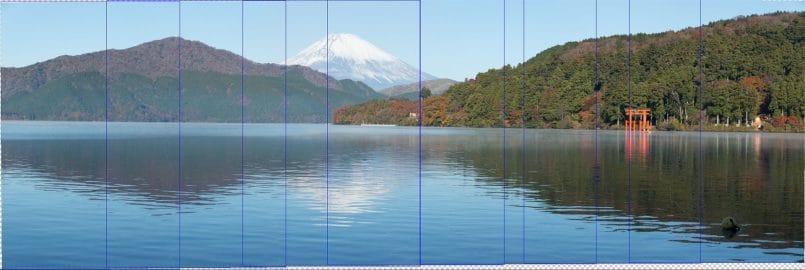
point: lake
(349, 195)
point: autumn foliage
(393, 111)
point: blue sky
(459, 37)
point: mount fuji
(351, 57)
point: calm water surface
(212, 198)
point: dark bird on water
(729, 227)
(728, 223)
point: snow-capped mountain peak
(351, 57)
(344, 46)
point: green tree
(425, 92)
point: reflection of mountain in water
(753, 177)
(363, 170)
(147, 166)
(356, 196)
(142, 167)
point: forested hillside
(751, 66)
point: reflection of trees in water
(754, 177)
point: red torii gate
(633, 124)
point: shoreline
(706, 129)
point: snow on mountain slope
(354, 58)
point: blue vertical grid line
(419, 9)
(242, 156)
(327, 136)
(595, 164)
(629, 135)
(596, 169)
(701, 109)
(285, 132)
(503, 118)
(179, 121)
(106, 136)
(523, 148)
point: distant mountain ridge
(411, 90)
(143, 83)
(351, 57)
(153, 59)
